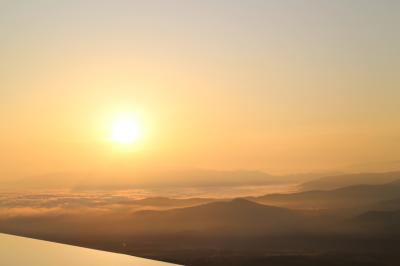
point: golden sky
(278, 86)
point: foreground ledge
(21, 251)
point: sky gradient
(278, 86)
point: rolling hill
(239, 216)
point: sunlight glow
(125, 130)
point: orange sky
(230, 85)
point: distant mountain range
(338, 181)
(196, 178)
(168, 179)
(343, 198)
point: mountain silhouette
(239, 216)
(338, 181)
(348, 197)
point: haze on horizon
(277, 86)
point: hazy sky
(280, 86)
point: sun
(125, 130)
